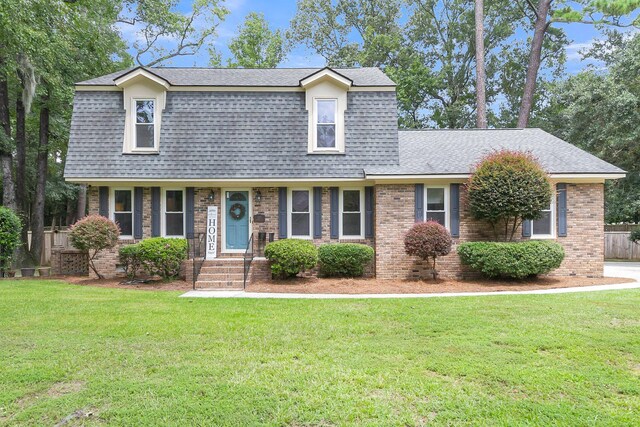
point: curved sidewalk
(613, 269)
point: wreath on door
(237, 211)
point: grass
(150, 358)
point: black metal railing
(246, 262)
(197, 252)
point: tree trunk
(21, 154)
(37, 214)
(82, 202)
(481, 100)
(6, 155)
(535, 56)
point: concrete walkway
(617, 269)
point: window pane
(144, 111)
(174, 222)
(144, 136)
(436, 216)
(435, 199)
(174, 201)
(326, 111)
(122, 200)
(351, 224)
(351, 201)
(327, 136)
(300, 201)
(300, 224)
(543, 225)
(125, 222)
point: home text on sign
(212, 232)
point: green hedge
(635, 235)
(130, 259)
(163, 256)
(515, 260)
(290, 256)
(344, 259)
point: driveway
(622, 269)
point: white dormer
(326, 102)
(145, 95)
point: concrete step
(227, 270)
(219, 284)
(220, 276)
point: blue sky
(280, 12)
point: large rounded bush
(515, 260)
(93, 234)
(9, 236)
(291, 256)
(163, 256)
(344, 259)
(428, 240)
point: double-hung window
(122, 209)
(437, 204)
(351, 213)
(326, 118)
(174, 213)
(543, 228)
(144, 132)
(300, 213)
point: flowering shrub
(428, 240)
(163, 256)
(290, 256)
(9, 236)
(93, 234)
(506, 188)
(344, 259)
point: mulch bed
(313, 285)
(119, 283)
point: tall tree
(481, 99)
(255, 45)
(6, 143)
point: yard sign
(212, 232)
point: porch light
(211, 197)
(258, 196)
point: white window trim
(334, 149)
(341, 211)
(134, 147)
(552, 208)
(163, 211)
(290, 212)
(112, 209)
(447, 204)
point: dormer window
(326, 119)
(144, 124)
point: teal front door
(237, 219)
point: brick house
(306, 153)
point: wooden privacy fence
(618, 246)
(57, 238)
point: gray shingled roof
(441, 152)
(276, 77)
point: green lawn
(150, 358)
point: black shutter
(454, 193)
(137, 213)
(317, 212)
(189, 220)
(334, 195)
(282, 213)
(562, 210)
(526, 228)
(155, 211)
(103, 200)
(419, 202)
(368, 212)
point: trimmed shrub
(93, 234)
(10, 227)
(291, 256)
(635, 235)
(515, 260)
(344, 259)
(131, 259)
(506, 188)
(428, 240)
(163, 256)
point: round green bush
(291, 256)
(9, 236)
(515, 260)
(635, 235)
(344, 259)
(131, 259)
(163, 256)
